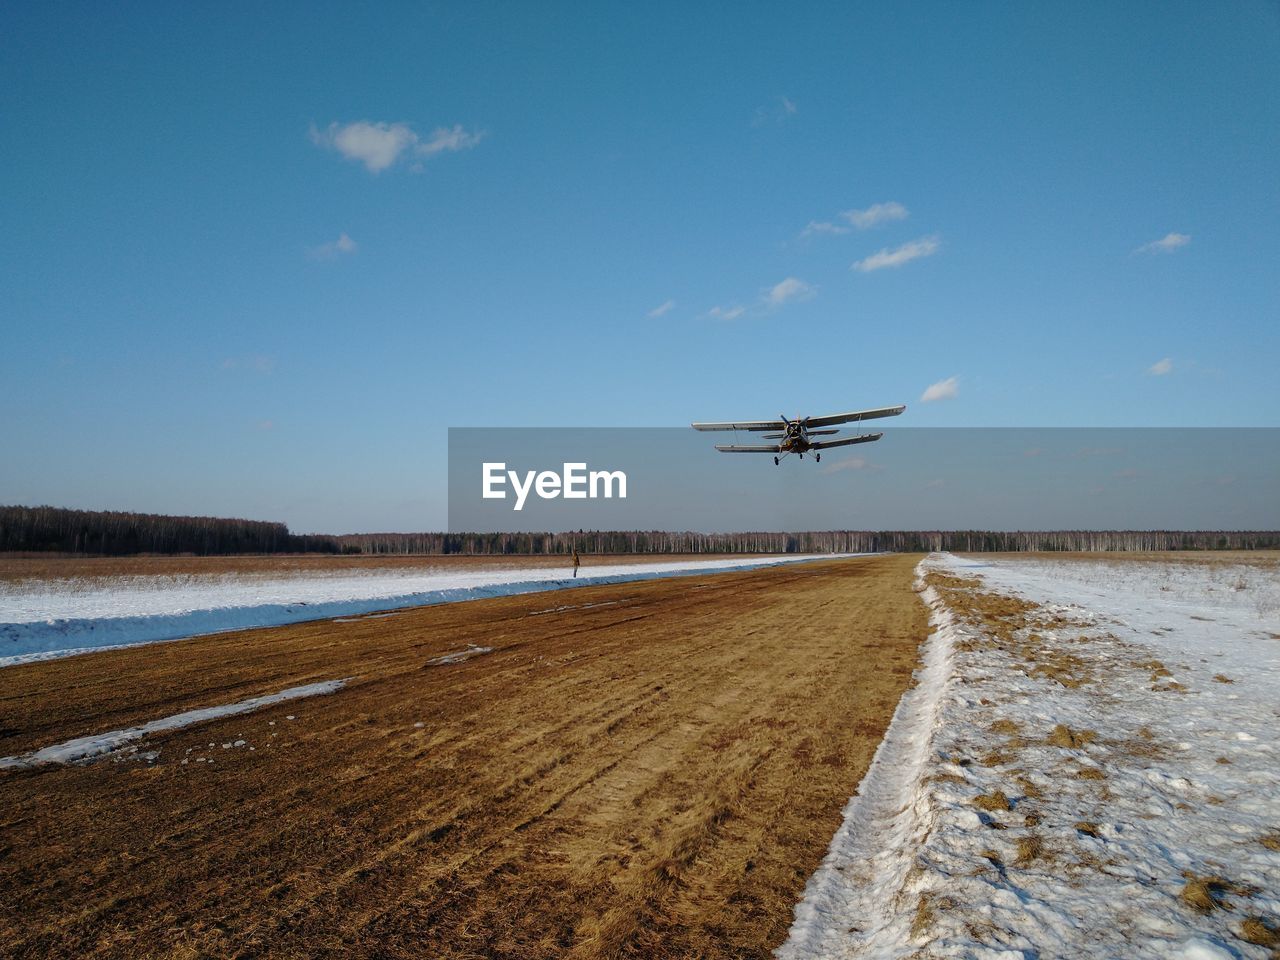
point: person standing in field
(577, 562)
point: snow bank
(853, 898)
(88, 748)
(1099, 769)
(67, 617)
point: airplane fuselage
(796, 439)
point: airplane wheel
(802, 456)
(817, 457)
(775, 461)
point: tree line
(116, 533)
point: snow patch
(1093, 770)
(87, 748)
(56, 619)
(458, 656)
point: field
(1052, 755)
(650, 769)
(1087, 767)
(58, 606)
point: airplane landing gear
(775, 461)
(817, 457)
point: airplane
(793, 435)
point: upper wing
(742, 425)
(845, 441)
(735, 448)
(835, 418)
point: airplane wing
(836, 418)
(735, 448)
(845, 441)
(758, 425)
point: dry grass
(927, 910)
(619, 780)
(991, 802)
(1030, 848)
(1063, 736)
(1260, 931)
(1206, 893)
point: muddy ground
(648, 769)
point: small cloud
(1160, 367)
(381, 145)
(876, 214)
(450, 140)
(662, 309)
(942, 390)
(331, 251)
(788, 290)
(816, 227)
(934, 484)
(924, 247)
(266, 424)
(851, 463)
(1166, 244)
(726, 313)
(775, 111)
(1032, 452)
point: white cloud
(448, 141)
(822, 226)
(924, 247)
(942, 390)
(875, 214)
(661, 309)
(788, 290)
(1161, 367)
(1166, 244)
(381, 145)
(727, 313)
(331, 251)
(775, 111)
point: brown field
(654, 772)
(15, 568)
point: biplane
(794, 436)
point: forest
(115, 533)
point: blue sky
(256, 262)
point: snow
(58, 618)
(1166, 679)
(459, 655)
(88, 748)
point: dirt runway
(650, 769)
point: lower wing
(865, 438)
(735, 448)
